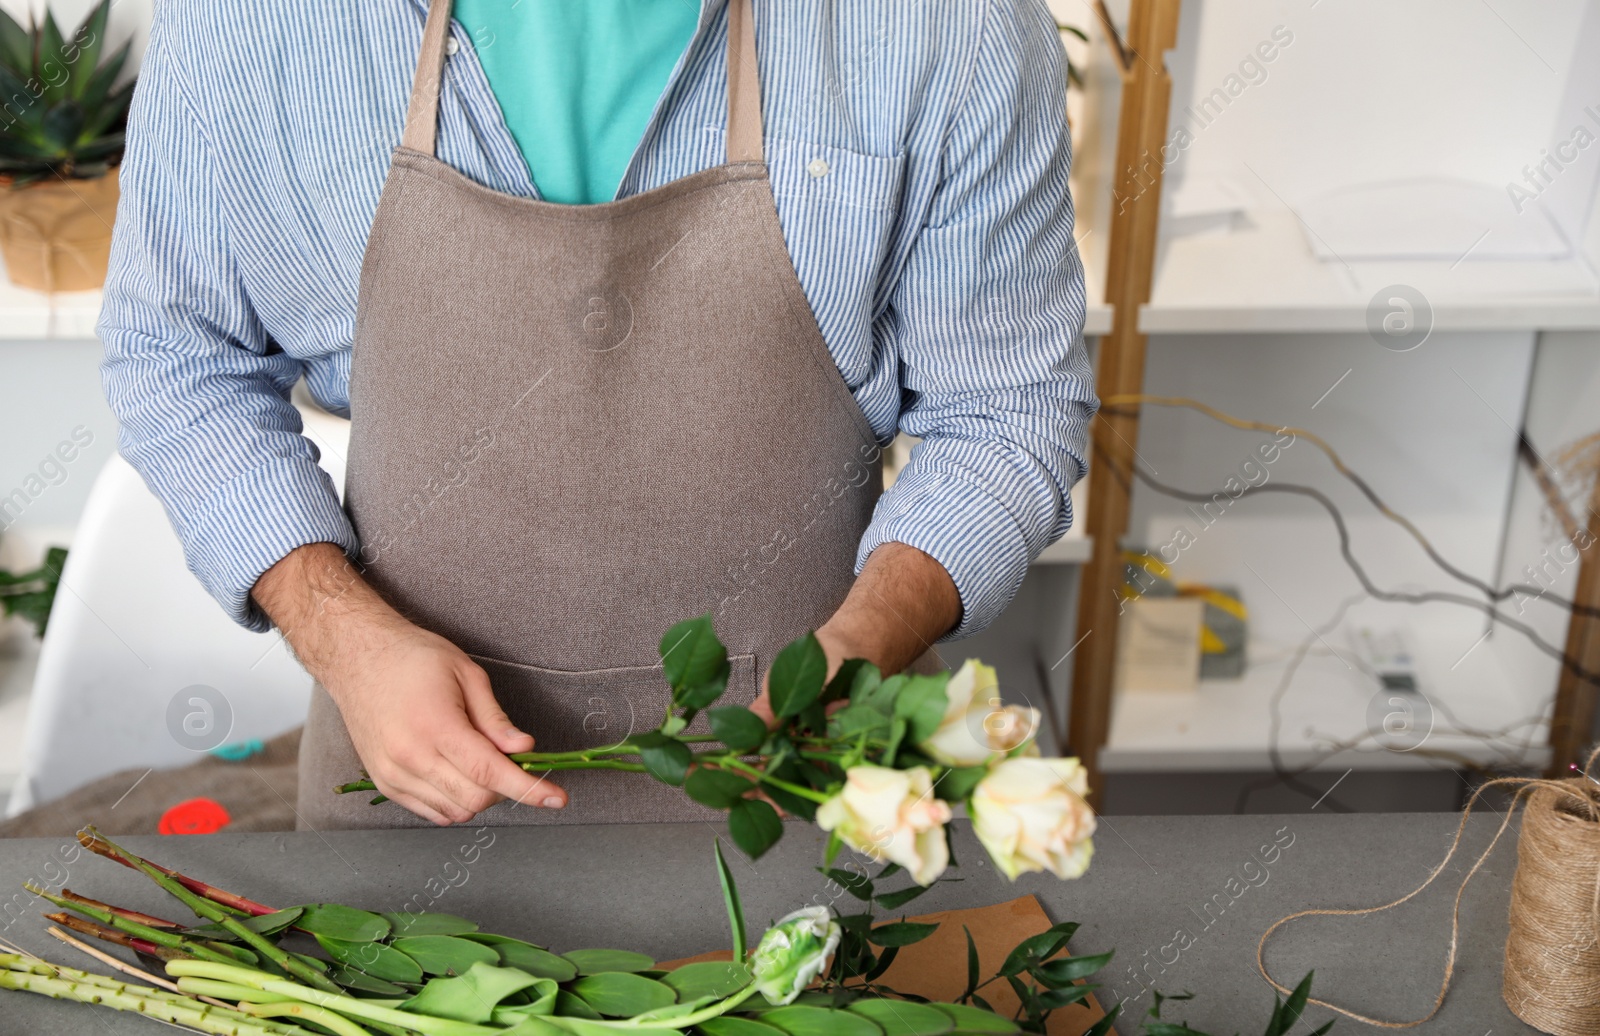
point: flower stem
(733, 763)
(348, 1006)
(334, 1023)
(145, 932)
(585, 764)
(111, 935)
(93, 841)
(213, 912)
(70, 984)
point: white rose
(1031, 815)
(891, 815)
(976, 727)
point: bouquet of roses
(879, 762)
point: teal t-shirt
(577, 81)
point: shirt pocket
(839, 209)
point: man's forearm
(901, 603)
(309, 592)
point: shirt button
(817, 168)
(452, 45)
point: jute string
(1552, 957)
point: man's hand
(423, 717)
(901, 603)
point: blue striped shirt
(933, 240)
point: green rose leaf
(429, 923)
(535, 960)
(856, 719)
(694, 659)
(957, 784)
(737, 727)
(903, 1018)
(718, 789)
(796, 677)
(977, 1021)
(877, 693)
(595, 962)
(802, 1020)
(844, 681)
(668, 761)
(372, 958)
(618, 994)
(793, 804)
(902, 933)
(921, 703)
(472, 996)
(755, 826)
(342, 922)
(714, 978)
(446, 954)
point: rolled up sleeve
(200, 389)
(987, 319)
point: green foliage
(446, 954)
(472, 997)
(620, 994)
(594, 962)
(754, 825)
(695, 663)
(455, 978)
(30, 595)
(796, 680)
(66, 115)
(342, 922)
(1285, 1014)
(738, 727)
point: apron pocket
(571, 709)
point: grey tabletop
(652, 887)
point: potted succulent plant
(61, 137)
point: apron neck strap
(422, 117)
(744, 84)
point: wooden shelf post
(1572, 720)
(1136, 209)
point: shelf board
(1225, 725)
(1263, 277)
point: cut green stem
(154, 935)
(213, 912)
(97, 843)
(71, 984)
(348, 1006)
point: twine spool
(1552, 959)
(1552, 965)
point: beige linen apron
(574, 426)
